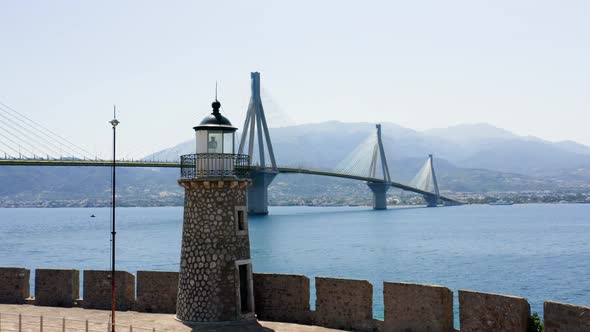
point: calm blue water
(541, 252)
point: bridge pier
(379, 190)
(258, 192)
(431, 200)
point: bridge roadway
(366, 179)
(171, 164)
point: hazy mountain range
(468, 158)
(472, 146)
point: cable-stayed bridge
(24, 142)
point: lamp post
(114, 122)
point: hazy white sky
(521, 65)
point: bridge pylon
(426, 180)
(261, 174)
(380, 188)
(432, 201)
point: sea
(540, 252)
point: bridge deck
(170, 164)
(362, 178)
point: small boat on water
(501, 202)
(92, 216)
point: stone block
(344, 304)
(484, 312)
(14, 285)
(97, 290)
(417, 308)
(157, 291)
(282, 298)
(562, 317)
(56, 288)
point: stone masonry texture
(282, 298)
(483, 312)
(14, 285)
(157, 291)
(56, 288)
(343, 304)
(417, 308)
(208, 281)
(97, 290)
(562, 317)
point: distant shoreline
(322, 206)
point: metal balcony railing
(214, 165)
(16, 322)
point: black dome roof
(215, 120)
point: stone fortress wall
(340, 303)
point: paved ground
(76, 320)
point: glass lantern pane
(202, 139)
(214, 142)
(228, 143)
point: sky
(519, 65)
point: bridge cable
(7, 155)
(423, 179)
(174, 151)
(27, 135)
(44, 129)
(48, 139)
(8, 146)
(85, 152)
(17, 141)
(19, 152)
(50, 142)
(359, 161)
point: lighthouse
(215, 281)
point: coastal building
(215, 280)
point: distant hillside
(469, 132)
(573, 147)
(136, 187)
(475, 158)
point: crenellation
(97, 290)
(563, 317)
(56, 288)
(414, 307)
(344, 303)
(14, 285)
(157, 291)
(282, 298)
(482, 312)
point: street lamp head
(114, 122)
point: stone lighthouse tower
(215, 282)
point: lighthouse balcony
(214, 165)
